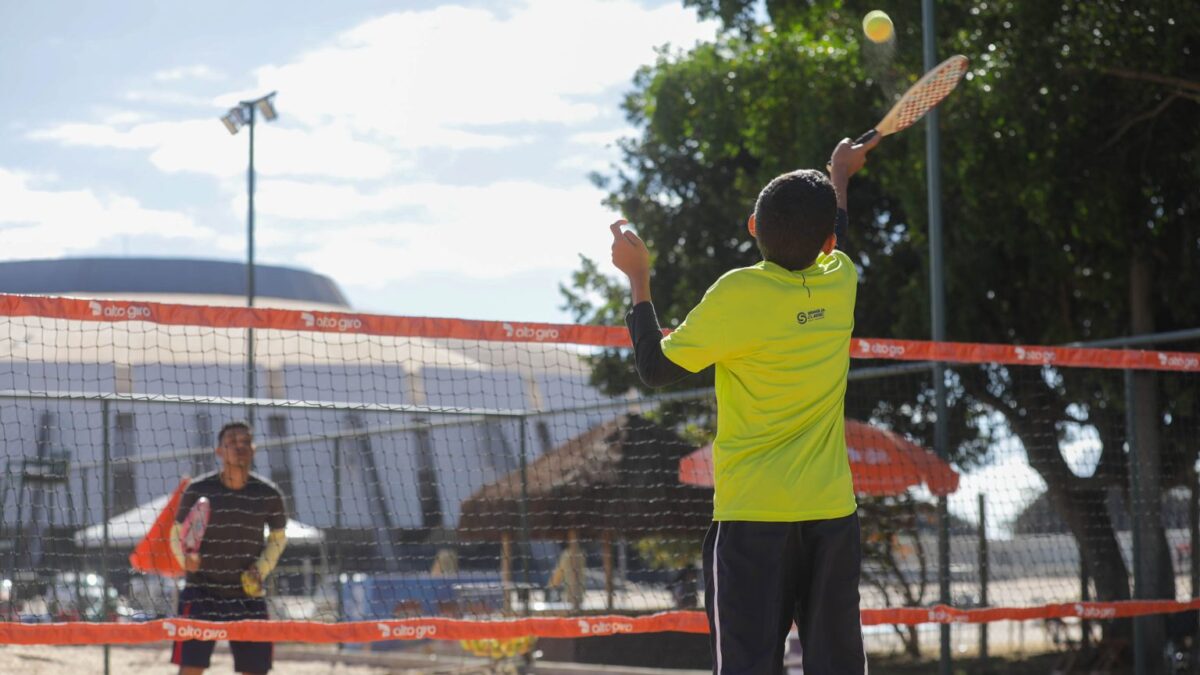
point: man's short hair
(794, 215)
(229, 426)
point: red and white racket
(920, 98)
(191, 531)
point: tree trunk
(1082, 504)
(1157, 575)
(1085, 512)
(912, 646)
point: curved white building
(378, 435)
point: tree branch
(1139, 118)
(1152, 77)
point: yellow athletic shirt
(781, 344)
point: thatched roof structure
(618, 477)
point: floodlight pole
(246, 114)
(250, 215)
(250, 393)
(937, 312)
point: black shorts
(197, 603)
(760, 577)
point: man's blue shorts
(197, 603)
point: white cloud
(95, 135)
(597, 150)
(166, 97)
(194, 72)
(123, 117)
(299, 200)
(204, 146)
(478, 232)
(447, 78)
(603, 139)
(40, 223)
(420, 77)
(583, 164)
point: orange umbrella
(881, 461)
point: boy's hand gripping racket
(920, 98)
(191, 531)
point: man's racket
(921, 97)
(191, 531)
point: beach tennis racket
(191, 531)
(920, 98)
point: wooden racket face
(925, 94)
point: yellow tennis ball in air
(878, 26)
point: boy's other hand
(191, 562)
(629, 253)
(848, 157)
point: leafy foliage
(1070, 166)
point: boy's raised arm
(846, 161)
(630, 255)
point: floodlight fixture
(266, 108)
(234, 119)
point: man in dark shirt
(225, 578)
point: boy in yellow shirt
(784, 544)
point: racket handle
(865, 137)
(858, 141)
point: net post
(943, 511)
(339, 560)
(9, 572)
(106, 500)
(526, 545)
(1085, 594)
(1135, 507)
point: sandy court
(85, 660)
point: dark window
(124, 445)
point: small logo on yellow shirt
(811, 315)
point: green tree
(1071, 160)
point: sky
(430, 157)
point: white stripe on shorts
(716, 594)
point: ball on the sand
(878, 26)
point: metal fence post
(983, 578)
(1135, 509)
(1194, 544)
